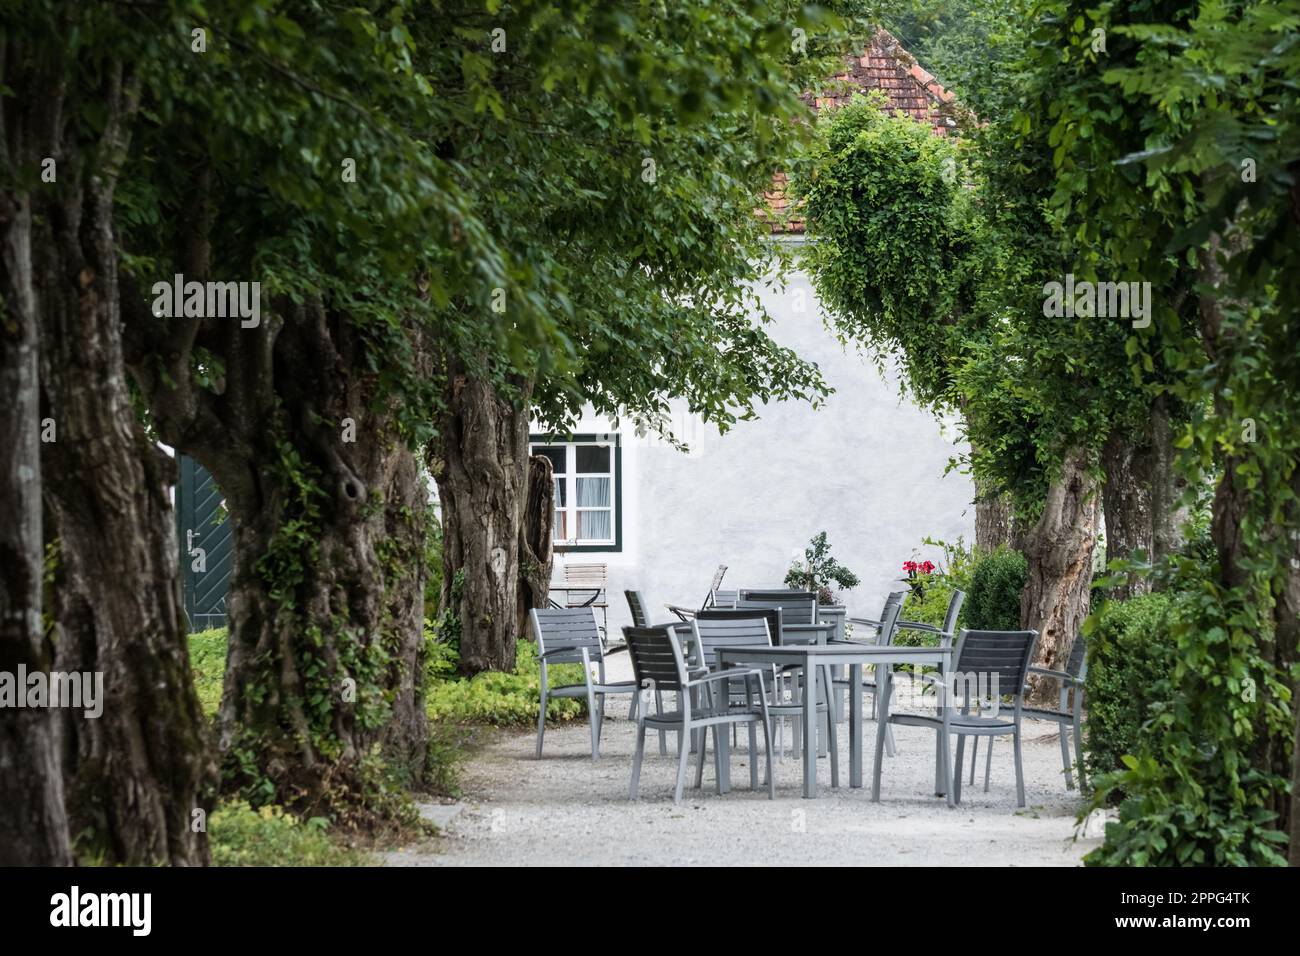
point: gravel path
(567, 808)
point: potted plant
(817, 571)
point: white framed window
(587, 474)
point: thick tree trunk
(536, 546)
(1127, 507)
(33, 822)
(482, 478)
(137, 774)
(994, 522)
(1059, 550)
(326, 597)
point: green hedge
(498, 697)
(1130, 656)
(993, 598)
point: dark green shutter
(198, 504)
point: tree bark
(136, 774)
(33, 822)
(1127, 507)
(994, 521)
(536, 544)
(326, 599)
(1059, 550)
(482, 474)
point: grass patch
(208, 663)
(242, 836)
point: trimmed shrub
(1130, 657)
(993, 599)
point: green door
(206, 551)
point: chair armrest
(1059, 675)
(685, 613)
(615, 649)
(730, 673)
(920, 626)
(865, 620)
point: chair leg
(636, 761)
(831, 732)
(956, 779)
(988, 764)
(974, 758)
(1078, 743)
(683, 754)
(663, 734)
(541, 723)
(1065, 757)
(701, 747)
(1020, 772)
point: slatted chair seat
(570, 636)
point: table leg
(884, 681)
(855, 725)
(724, 753)
(810, 699)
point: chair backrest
(1076, 665)
(712, 633)
(889, 616)
(1004, 653)
(797, 607)
(569, 628)
(592, 576)
(772, 615)
(636, 603)
(718, 575)
(955, 602)
(656, 656)
(722, 599)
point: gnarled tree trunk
(482, 473)
(1059, 550)
(33, 822)
(536, 545)
(137, 773)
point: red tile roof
(909, 88)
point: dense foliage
(1130, 660)
(993, 597)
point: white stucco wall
(867, 467)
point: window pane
(554, 452)
(561, 490)
(592, 458)
(595, 526)
(593, 492)
(560, 530)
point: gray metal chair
(570, 636)
(799, 625)
(636, 604)
(797, 607)
(1000, 655)
(1068, 715)
(639, 607)
(658, 664)
(723, 629)
(885, 630)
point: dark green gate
(206, 551)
